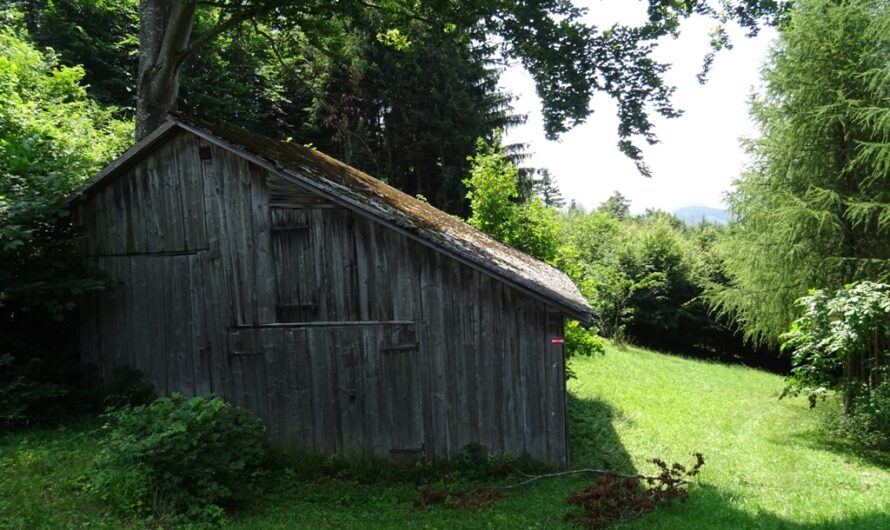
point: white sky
(699, 153)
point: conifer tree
(813, 211)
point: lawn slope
(769, 463)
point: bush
(178, 456)
(869, 421)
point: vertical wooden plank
(127, 219)
(404, 290)
(461, 418)
(380, 292)
(529, 391)
(171, 198)
(276, 371)
(171, 331)
(303, 381)
(191, 190)
(127, 300)
(516, 377)
(106, 213)
(347, 344)
(374, 402)
(201, 347)
(508, 428)
(136, 211)
(323, 396)
(262, 235)
(333, 264)
(363, 265)
(98, 224)
(407, 335)
(119, 217)
(490, 374)
(538, 376)
(469, 333)
(233, 228)
(137, 321)
(154, 296)
(258, 377)
(309, 248)
(155, 205)
(184, 334)
(218, 303)
(236, 343)
(559, 424)
(433, 313)
(246, 242)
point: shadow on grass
(595, 443)
(710, 507)
(825, 440)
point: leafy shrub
(180, 456)
(581, 341)
(842, 343)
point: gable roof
(358, 191)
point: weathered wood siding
(341, 333)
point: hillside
(697, 214)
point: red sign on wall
(558, 341)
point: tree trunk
(164, 34)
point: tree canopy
(814, 209)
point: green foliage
(813, 211)
(492, 191)
(546, 190)
(581, 341)
(617, 205)
(869, 421)
(52, 137)
(99, 35)
(644, 277)
(842, 343)
(180, 456)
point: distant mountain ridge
(697, 214)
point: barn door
(346, 388)
(400, 389)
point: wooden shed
(351, 317)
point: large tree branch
(177, 35)
(232, 21)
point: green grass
(770, 463)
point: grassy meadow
(769, 463)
